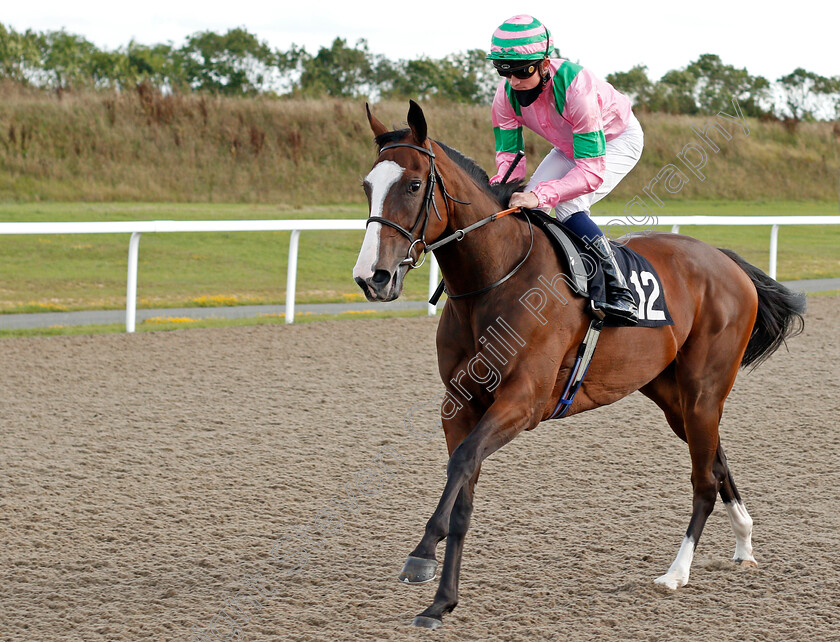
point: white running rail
(138, 228)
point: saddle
(586, 279)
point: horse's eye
(414, 186)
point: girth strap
(584, 358)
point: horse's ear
(377, 127)
(417, 122)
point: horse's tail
(779, 313)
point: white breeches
(622, 154)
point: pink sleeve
(503, 161)
(583, 111)
(585, 177)
(507, 132)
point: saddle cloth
(641, 277)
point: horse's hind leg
(738, 515)
(693, 403)
(701, 429)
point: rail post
(774, 249)
(131, 283)
(291, 276)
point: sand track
(144, 478)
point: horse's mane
(501, 193)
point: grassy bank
(100, 147)
(76, 272)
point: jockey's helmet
(520, 42)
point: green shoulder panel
(567, 72)
(510, 140)
(512, 98)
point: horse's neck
(486, 254)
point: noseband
(425, 210)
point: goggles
(523, 73)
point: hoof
(418, 570)
(672, 582)
(424, 622)
(745, 563)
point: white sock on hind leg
(742, 526)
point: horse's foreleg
(502, 422)
(421, 564)
(459, 523)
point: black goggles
(523, 73)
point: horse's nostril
(380, 277)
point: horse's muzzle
(379, 287)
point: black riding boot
(619, 301)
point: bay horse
(726, 313)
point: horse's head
(405, 208)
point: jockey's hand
(524, 199)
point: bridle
(425, 213)
(425, 210)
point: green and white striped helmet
(521, 37)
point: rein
(458, 235)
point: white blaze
(381, 178)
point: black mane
(501, 193)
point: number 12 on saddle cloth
(645, 287)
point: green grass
(77, 272)
(805, 252)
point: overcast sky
(769, 38)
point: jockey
(597, 140)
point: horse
(425, 196)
